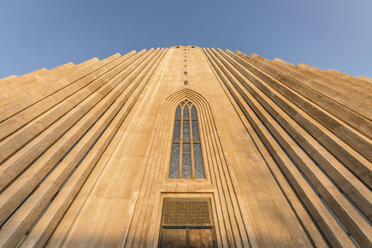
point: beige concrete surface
(286, 150)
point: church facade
(185, 147)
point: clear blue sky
(323, 33)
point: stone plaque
(187, 212)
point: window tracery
(186, 156)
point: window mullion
(193, 167)
(181, 148)
(191, 146)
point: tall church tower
(185, 147)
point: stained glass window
(173, 171)
(198, 161)
(176, 132)
(186, 161)
(186, 156)
(178, 113)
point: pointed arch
(219, 182)
(186, 156)
(186, 159)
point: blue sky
(323, 33)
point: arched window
(186, 156)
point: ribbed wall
(312, 129)
(54, 126)
(316, 125)
(232, 227)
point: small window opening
(185, 82)
(185, 73)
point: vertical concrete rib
(304, 132)
(362, 240)
(46, 190)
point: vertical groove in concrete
(12, 231)
(360, 229)
(84, 156)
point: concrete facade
(85, 152)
